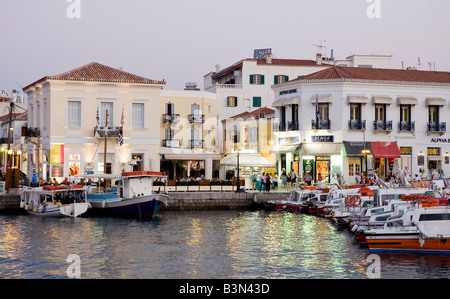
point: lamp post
(238, 185)
(365, 152)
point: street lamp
(238, 185)
(365, 152)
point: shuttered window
(257, 79)
(256, 101)
(138, 115)
(74, 114)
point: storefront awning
(388, 150)
(279, 148)
(321, 149)
(355, 148)
(284, 102)
(247, 160)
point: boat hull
(138, 207)
(407, 242)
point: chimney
(319, 59)
(269, 57)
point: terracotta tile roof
(96, 72)
(246, 114)
(373, 74)
(15, 116)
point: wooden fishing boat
(55, 201)
(127, 195)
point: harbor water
(198, 245)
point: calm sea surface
(197, 245)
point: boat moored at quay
(129, 194)
(413, 217)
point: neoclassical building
(69, 116)
(364, 120)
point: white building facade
(365, 121)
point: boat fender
(104, 203)
(421, 239)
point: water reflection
(197, 244)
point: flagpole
(106, 144)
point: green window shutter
(286, 78)
(256, 101)
(251, 79)
(262, 79)
(235, 101)
(275, 79)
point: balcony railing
(197, 143)
(408, 126)
(356, 124)
(113, 132)
(292, 125)
(321, 125)
(439, 127)
(196, 118)
(33, 132)
(382, 125)
(172, 143)
(171, 118)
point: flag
(317, 111)
(98, 118)
(122, 120)
(120, 139)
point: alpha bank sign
(440, 140)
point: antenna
(321, 48)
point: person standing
(263, 182)
(308, 178)
(268, 182)
(293, 178)
(288, 181)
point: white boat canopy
(247, 160)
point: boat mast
(106, 143)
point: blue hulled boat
(127, 195)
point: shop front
(249, 164)
(321, 158)
(384, 158)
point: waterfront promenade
(10, 203)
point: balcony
(382, 125)
(113, 132)
(292, 125)
(321, 125)
(171, 118)
(356, 124)
(197, 143)
(196, 118)
(33, 132)
(172, 143)
(406, 126)
(436, 127)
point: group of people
(36, 182)
(286, 180)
